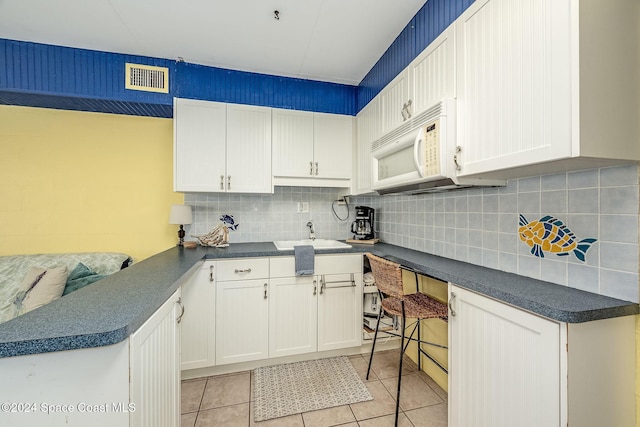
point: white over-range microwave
(420, 156)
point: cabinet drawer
(243, 268)
(324, 264)
(339, 263)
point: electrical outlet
(343, 201)
(303, 207)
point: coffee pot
(362, 227)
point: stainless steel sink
(287, 245)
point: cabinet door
(242, 321)
(197, 327)
(292, 143)
(340, 312)
(293, 314)
(332, 145)
(504, 366)
(513, 83)
(368, 131)
(155, 368)
(199, 145)
(392, 100)
(248, 149)
(432, 73)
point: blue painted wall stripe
(33, 72)
(75, 74)
(434, 17)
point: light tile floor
(227, 400)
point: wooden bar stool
(388, 279)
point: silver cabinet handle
(229, 182)
(408, 107)
(222, 182)
(316, 168)
(179, 302)
(211, 273)
(451, 310)
(265, 291)
(455, 158)
(246, 270)
(321, 285)
(310, 168)
(315, 287)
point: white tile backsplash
(268, 217)
(479, 225)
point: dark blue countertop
(113, 308)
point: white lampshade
(180, 214)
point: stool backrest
(387, 274)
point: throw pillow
(41, 286)
(80, 277)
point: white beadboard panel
(155, 369)
(433, 72)
(248, 149)
(392, 99)
(505, 365)
(292, 142)
(242, 320)
(197, 327)
(512, 84)
(199, 133)
(293, 316)
(332, 145)
(339, 313)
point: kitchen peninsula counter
(112, 309)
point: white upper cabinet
(432, 73)
(542, 81)
(292, 143)
(221, 147)
(248, 149)
(368, 131)
(332, 145)
(199, 145)
(395, 103)
(312, 149)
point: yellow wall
(77, 181)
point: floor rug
(293, 388)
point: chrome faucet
(312, 231)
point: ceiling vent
(146, 78)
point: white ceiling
(328, 40)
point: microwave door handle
(416, 150)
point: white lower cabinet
(246, 309)
(198, 331)
(315, 313)
(340, 311)
(293, 316)
(242, 310)
(155, 368)
(508, 367)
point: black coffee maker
(362, 227)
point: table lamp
(180, 214)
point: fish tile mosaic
(550, 234)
